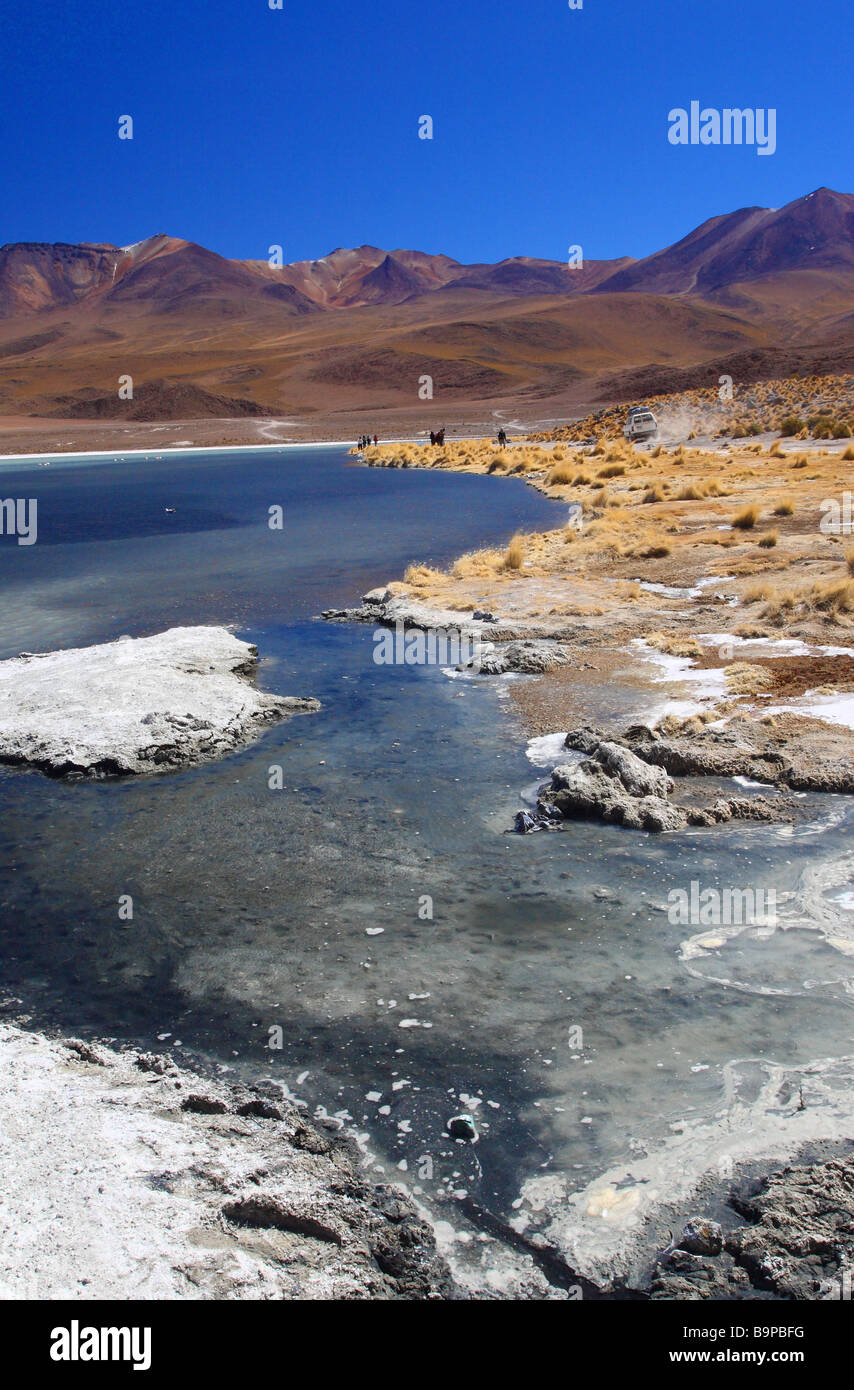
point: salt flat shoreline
(683, 1273)
(163, 449)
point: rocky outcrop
(135, 705)
(530, 658)
(525, 647)
(157, 1183)
(798, 1243)
(797, 753)
(595, 790)
(383, 607)
(616, 786)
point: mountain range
(361, 328)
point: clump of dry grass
(747, 518)
(849, 561)
(784, 508)
(653, 494)
(690, 493)
(419, 575)
(612, 470)
(674, 645)
(791, 425)
(657, 451)
(769, 540)
(779, 603)
(674, 726)
(561, 475)
(477, 564)
(828, 597)
(514, 554)
(582, 480)
(800, 462)
(848, 456)
(833, 596)
(743, 678)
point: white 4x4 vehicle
(640, 424)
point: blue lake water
(253, 907)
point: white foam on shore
(601, 1229)
(547, 750)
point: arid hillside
(363, 330)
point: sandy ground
(25, 434)
(758, 406)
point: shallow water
(253, 907)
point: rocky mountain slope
(362, 327)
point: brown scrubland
(731, 533)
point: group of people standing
(436, 437)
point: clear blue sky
(256, 126)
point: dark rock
(306, 1137)
(799, 1243)
(702, 1237)
(86, 1052)
(533, 658)
(282, 1215)
(625, 781)
(463, 1127)
(260, 1109)
(204, 1105)
(157, 1062)
(593, 790)
(800, 757)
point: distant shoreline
(179, 449)
(22, 436)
